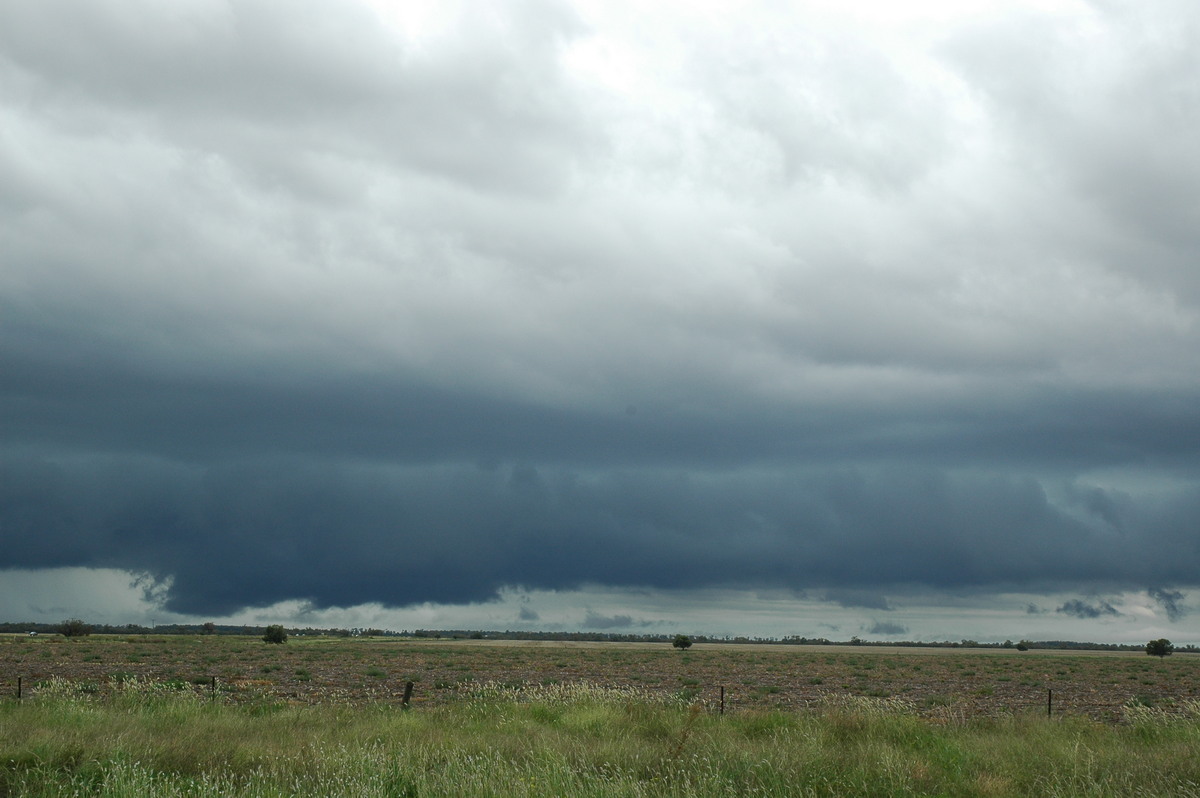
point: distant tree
(209, 627)
(1160, 648)
(275, 634)
(1022, 646)
(682, 642)
(74, 628)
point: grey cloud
(279, 287)
(1102, 504)
(488, 107)
(596, 621)
(1033, 609)
(1171, 602)
(858, 598)
(1082, 609)
(527, 614)
(1090, 127)
(888, 629)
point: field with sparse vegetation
(939, 682)
(223, 715)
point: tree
(74, 628)
(275, 634)
(1160, 648)
(682, 642)
(209, 627)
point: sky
(821, 318)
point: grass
(144, 738)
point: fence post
(722, 699)
(18, 688)
(1049, 701)
(212, 689)
(408, 688)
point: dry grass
(939, 683)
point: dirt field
(940, 683)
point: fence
(1053, 701)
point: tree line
(76, 628)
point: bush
(74, 628)
(275, 634)
(682, 642)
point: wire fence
(1061, 701)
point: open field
(568, 741)
(118, 717)
(938, 683)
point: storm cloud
(358, 302)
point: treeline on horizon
(597, 637)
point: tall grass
(141, 739)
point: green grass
(139, 738)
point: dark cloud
(527, 614)
(1082, 609)
(1033, 609)
(887, 628)
(251, 532)
(1171, 601)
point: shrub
(74, 628)
(275, 634)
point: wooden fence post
(408, 688)
(722, 699)
(1049, 702)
